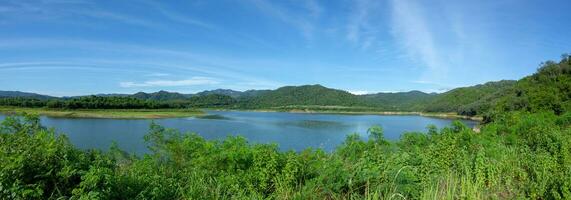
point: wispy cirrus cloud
(363, 24)
(297, 20)
(70, 11)
(194, 81)
(158, 74)
(177, 16)
(142, 61)
(411, 31)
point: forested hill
(289, 97)
(315, 95)
(400, 101)
(466, 100)
(9, 94)
(227, 92)
(161, 96)
(549, 89)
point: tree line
(100, 102)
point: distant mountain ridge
(227, 92)
(24, 94)
(456, 100)
(161, 96)
(549, 89)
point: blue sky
(77, 47)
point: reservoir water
(291, 131)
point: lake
(291, 131)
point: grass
(106, 113)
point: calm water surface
(291, 131)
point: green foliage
(547, 90)
(22, 102)
(97, 102)
(119, 102)
(160, 96)
(472, 100)
(212, 101)
(400, 101)
(315, 95)
(518, 155)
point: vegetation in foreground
(105, 113)
(519, 155)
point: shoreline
(179, 113)
(106, 113)
(388, 113)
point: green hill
(307, 95)
(457, 99)
(400, 101)
(161, 96)
(10, 94)
(227, 92)
(549, 89)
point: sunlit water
(291, 131)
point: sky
(80, 47)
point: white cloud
(362, 26)
(172, 83)
(360, 92)
(439, 90)
(295, 20)
(158, 74)
(179, 62)
(411, 31)
(424, 82)
(176, 16)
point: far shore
(309, 111)
(178, 113)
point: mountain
(549, 89)
(400, 101)
(4, 94)
(233, 93)
(458, 99)
(227, 92)
(212, 101)
(253, 93)
(306, 95)
(161, 96)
